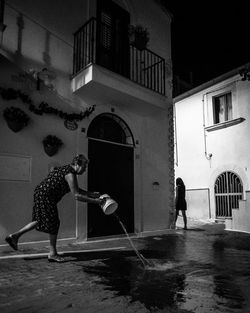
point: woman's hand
(102, 201)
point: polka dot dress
(46, 196)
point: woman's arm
(80, 194)
(90, 194)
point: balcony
(107, 69)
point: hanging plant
(138, 36)
(16, 118)
(51, 144)
(43, 107)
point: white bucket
(109, 206)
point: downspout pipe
(207, 155)
(175, 137)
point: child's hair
(78, 159)
(179, 181)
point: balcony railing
(93, 45)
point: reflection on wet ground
(190, 273)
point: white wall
(45, 40)
(39, 34)
(229, 146)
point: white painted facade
(205, 149)
(39, 34)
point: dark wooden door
(111, 171)
(112, 37)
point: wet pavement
(204, 269)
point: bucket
(109, 206)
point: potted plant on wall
(51, 144)
(15, 118)
(138, 36)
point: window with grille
(228, 191)
(222, 107)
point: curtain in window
(229, 106)
(223, 108)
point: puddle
(184, 276)
(156, 266)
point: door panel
(111, 171)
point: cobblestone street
(204, 269)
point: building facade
(77, 72)
(211, 146)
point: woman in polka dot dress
(47, 194)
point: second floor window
(222, 107)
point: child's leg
(184, 219)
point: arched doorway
(111, 171)
(228, 191)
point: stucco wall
(17, 195)
(198, 203)
(241, 217)
(37, 37)
(229, 145)
(41, 36)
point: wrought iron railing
(142, 66)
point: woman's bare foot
(56, 258)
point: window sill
(225, 124)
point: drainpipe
(207, 155)
(175, 137)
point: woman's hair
(79, 159)
(179, 181)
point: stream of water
(144, 261)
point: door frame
(133, 198)
(130, 144)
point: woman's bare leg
(12, 239)
(52, 242)
(53, 256)
(24, 230)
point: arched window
(110, 127)
(228, 191)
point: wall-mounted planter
(51, 150)
(51, 145)
(15, 118)
(15, 126)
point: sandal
(13, 244)
(56, 258)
